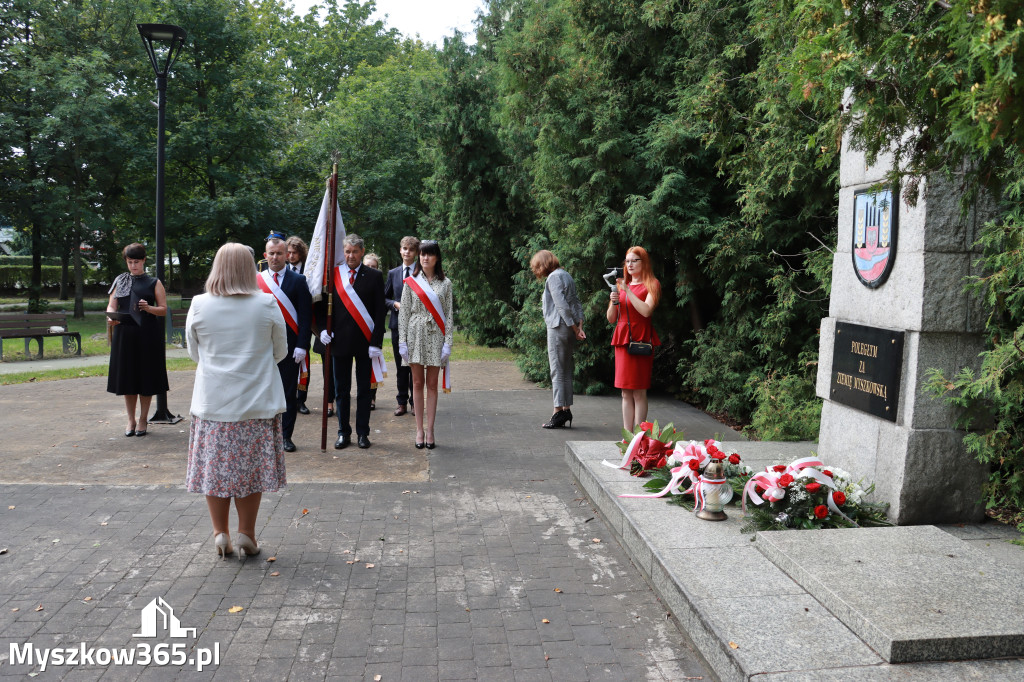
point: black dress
(137, 362)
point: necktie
(406, 272)
(351, 276)
(275, 279)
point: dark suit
(294, 287)
(392, 295)
(349, 344)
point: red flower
(712, 450)
(693, 465)
(708, 442)
(813, 487)
(646, 426)
(785, 480)
(821, 511)
(734, 458)
(827, 473)
(839, 497)
(779, 467)
(661, 462)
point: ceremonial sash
(428, 297)
(348, 295)
(267, 284)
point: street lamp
(163, 44)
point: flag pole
(328, 291)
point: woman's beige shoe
(246, 545)
(222, 543)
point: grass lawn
(93, 330)
(464, 351)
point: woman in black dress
(138, 369)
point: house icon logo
(158, 614)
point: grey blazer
(561, 305)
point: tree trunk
(64, 270)
(77, 256)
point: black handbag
(637, 347)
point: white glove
(325, 337)
(375, 352)
(446, 352)
(298, 355)
(403, 350)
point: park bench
(38, 326)
(178, 317)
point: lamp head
(167, 38)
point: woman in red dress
(631, 312)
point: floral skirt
(235, 459)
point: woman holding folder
(135, 312)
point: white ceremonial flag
(315, 258)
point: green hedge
(25, 260)
(19, 276)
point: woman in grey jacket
(563, 315)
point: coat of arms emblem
(875, 220)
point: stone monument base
(820, 605)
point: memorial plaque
(867, 365)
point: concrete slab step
(913, 593)
(744, 614)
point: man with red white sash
(357, 335)
(291, 292)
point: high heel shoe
(559, 419)
(429, 444)
(141, 433)
(246, 545)
(222, 543)
(420, 446)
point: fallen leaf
(271, 558)
(376, 678)
(734, 645)
(103, 523)
(545, 620)
(235, 609)
(349, 562)
(3, 550)
(16, 609)
(56, 541)
(558, 589)
(11, 507)
(38, 608)
(596, 540)
(275, 574)
(305, 511)
(87, 599)
(404, 492)
(547, 658)
(528, 496)
(347, 551)
(369, 565)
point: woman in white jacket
(236, 450)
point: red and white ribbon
(630, 454)
(268, 285)
(430, 300)
(349, 297)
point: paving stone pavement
(488, 570)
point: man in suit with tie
(356, 334)
(410, 249)
(289, 289)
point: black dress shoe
(302, 408)
(364, 442)
(343, 442)
(289, 446)
(330, 411)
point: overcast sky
(431, 19)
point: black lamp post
(163, 44)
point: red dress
(633, 371)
